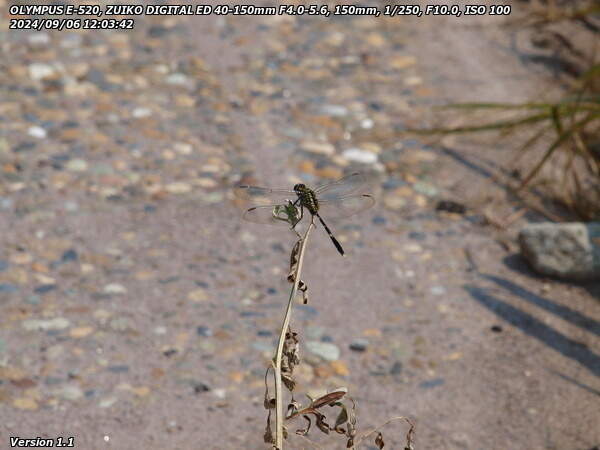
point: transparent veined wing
(284, 214)
(345, 206)
(350, 184)
(261, 195)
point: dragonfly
(335, 200)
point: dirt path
(139, 311)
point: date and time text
(122, 16)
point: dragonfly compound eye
(299, 187)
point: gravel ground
(139, 311)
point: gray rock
(334, 110)
(58, 323)
(359, 345)
(326, 350)
(570, 251)
(70, 393)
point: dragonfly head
(299, 188)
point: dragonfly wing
(263, 195)
(345, 206)
(350, 184)
(267, 214)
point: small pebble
(77, 165)
(71, 393)
(359, 156)
(45, 288)
(396, 368)
(200, 387)
(38, 39)
(437, 290)
(107, 403)
(33, 299)
(177, 79)
(220, 393)
(425, 189)
(118, 369)
(322, 148)
(69, 255)
(114, 288)
(333, 110)
(58, 323)
(37, 132)
(359, 345)
(264, 333)
(140, 113)
(417, 235)
(326, 350)
(431, 383)
(40, 71)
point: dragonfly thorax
(307, 198)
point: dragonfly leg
(299, 219)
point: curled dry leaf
(323, 426)
(290, 359)
(330, 398)
(341, 419)
(268, 437)
(379, 441)
(293, 407)
(289, 382)
(268, 403)
(409, 436)
(304, 431)
(302, 287)
(294, 259)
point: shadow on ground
(536, 328)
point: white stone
(140, 113)
(38, 39)
(322, 148)
(40, 71)
(177, 79)
(360, 156)
(77, 165)
(37, 132)
(58, 323)
(114, 288)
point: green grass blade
(486, 127)
(561, 139)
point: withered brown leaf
(341, 419)
(304, 431)
(268, 436)
(379, 441)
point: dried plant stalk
(279, 417)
